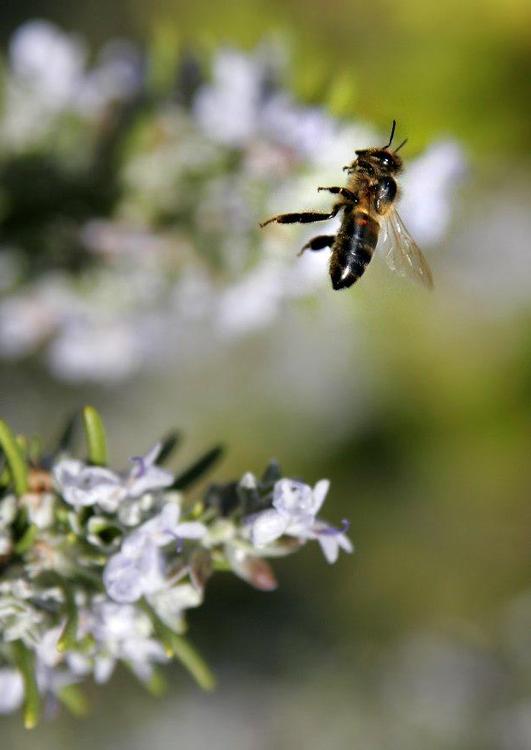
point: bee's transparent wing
(402, 253)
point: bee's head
(379, 160)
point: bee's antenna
(399, 147)
(391, 136)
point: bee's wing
(402, 253)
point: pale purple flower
(135, 571)
(123, 632)
(165, 528)
(82, 485)
(138, 569)
(145, 475)
(330, 539)
(295, 506)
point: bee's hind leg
(319, 243)
(304, 217)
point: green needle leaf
(95, 435)
(66, 438)
(15, 459)
(74, 700)
(198, 469)
(168, 445)
(25, 662)
(178, 647)
(26, 540)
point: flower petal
(330, 547)
(122, 579)
(345, 543)
(319, 493)
(268, 526)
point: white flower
(11, 690)
(82, 485)
(135, 571)
(228, 110)
(165, 528)
(330, 539)
(145, 475)
(123, 632)
(26, 320)
(306, 130)
(295, 506)
(170, 603)
(429, 185)
(104, 351)
(49, 62)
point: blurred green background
(417, 407)
(458, 67)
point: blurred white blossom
(179, 241)
(430, 188)
(11, 690)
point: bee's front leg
(305, 217)
(319, 243)
(343, 192)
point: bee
(369, 210)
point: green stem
(194, 662)
(157, 685)
(32, 702)
(95, 435)
(68, 638)
(178, 647)
(15, 459)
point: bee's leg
(319, 243)
(384, 193)
(344, 192)
(306, 217)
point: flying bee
(369, 212)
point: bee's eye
(385, 159)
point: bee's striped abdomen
(353, 249)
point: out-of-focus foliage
(132, 189)
(417, 407)
(449, 67)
